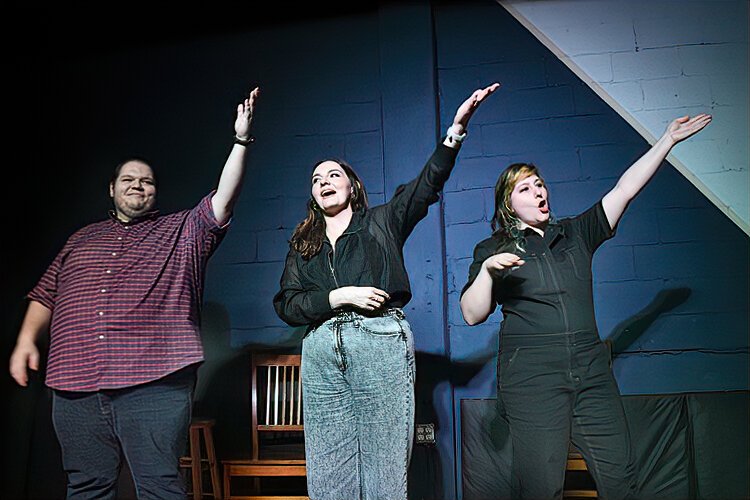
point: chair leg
(195, 455)
(212, 465)
(227, 479)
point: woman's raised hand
(683, 127)
(470, 105)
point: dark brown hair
(308, 236)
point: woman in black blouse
(345, 280)
(554, 379)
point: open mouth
(543, 207)
(327, 192)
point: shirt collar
(147, 216)
(552, 232)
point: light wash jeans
(358, 400)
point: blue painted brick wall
(670, 237)
(322, 95)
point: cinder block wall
(653, 60)
(377, 89)
(671, 237)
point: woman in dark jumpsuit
(555, 384)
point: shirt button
(101, 337)
(108, 271)
(104, 290)
(100, 313)
(114, 254)
(119, 238)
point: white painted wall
(654, 60)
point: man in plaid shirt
(122, 304)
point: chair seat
(263, 468)
(264, 461)
(265, 497)
(577, 465)
(576, 461)
(580, 494)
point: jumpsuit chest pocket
(530, 278)
(573, 261)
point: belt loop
(397, 312)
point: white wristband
(454, 137)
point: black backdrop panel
(686, 446)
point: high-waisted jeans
(358, 400)
(555, 389)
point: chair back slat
(292, 394)
(276, 397)
(268, 396)
(283, 395)
(299, 397)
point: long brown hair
(308, 236)
(504, 219)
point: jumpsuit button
(356, 323)
(576, 379)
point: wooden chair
(276, 411)
(578, 480)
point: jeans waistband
(349, 315)
(576, 338)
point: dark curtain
(686, 446)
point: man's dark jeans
(147, 424)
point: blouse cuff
(319, 302)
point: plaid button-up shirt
(126, 299)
